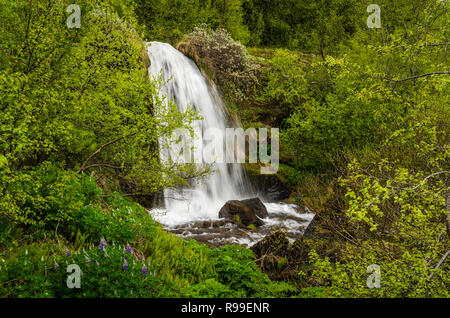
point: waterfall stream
(186, 211)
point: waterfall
(185, 209)
(186, 85)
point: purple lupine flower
(125, 265)
(128, 249)
(67, 252)
(144, 270)
(88, 260)
(102, 244)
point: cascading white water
(186, 86)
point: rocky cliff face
(225, 61)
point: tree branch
(410, 78)
(440, 263)
(421, 183)
(83, 166)
(447, 205)
(102, 165)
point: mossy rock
(276, 244)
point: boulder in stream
(247, 212)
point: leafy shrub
(285, 84)
(235, 268)
(181, 263)
(169, 20)
(116, 218)
(313, 292)
(210, 288)
(397, 216)
(47, 195)
(66, 202)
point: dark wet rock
(310, 229)
(203, 224)
(245, 212)
(257, 206)
(269, 187)
(218, 237)
(220, 232)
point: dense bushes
(376, 115)
(398, 221)
(169, 20)
(315, 26)
(65, 221)
(111, 271)
(25, 272)
(380, 123)
(318, 27)
(53, 199)
(80, 122)
(154, 264)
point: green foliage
(210, 288)
(27, 273)
(397, 213)
(174, 268)
(229, 14)
(380, 108)
(313, 292)
(235, 268)
(78, 98)
(403, 207)
(116, 218)
(285, 85)
(169, 20)
(103, 274)
(347, 117)
(68, 203)
(356, 101)
(181, 262)
(47, 195)
(317, 26)
(40, 271)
